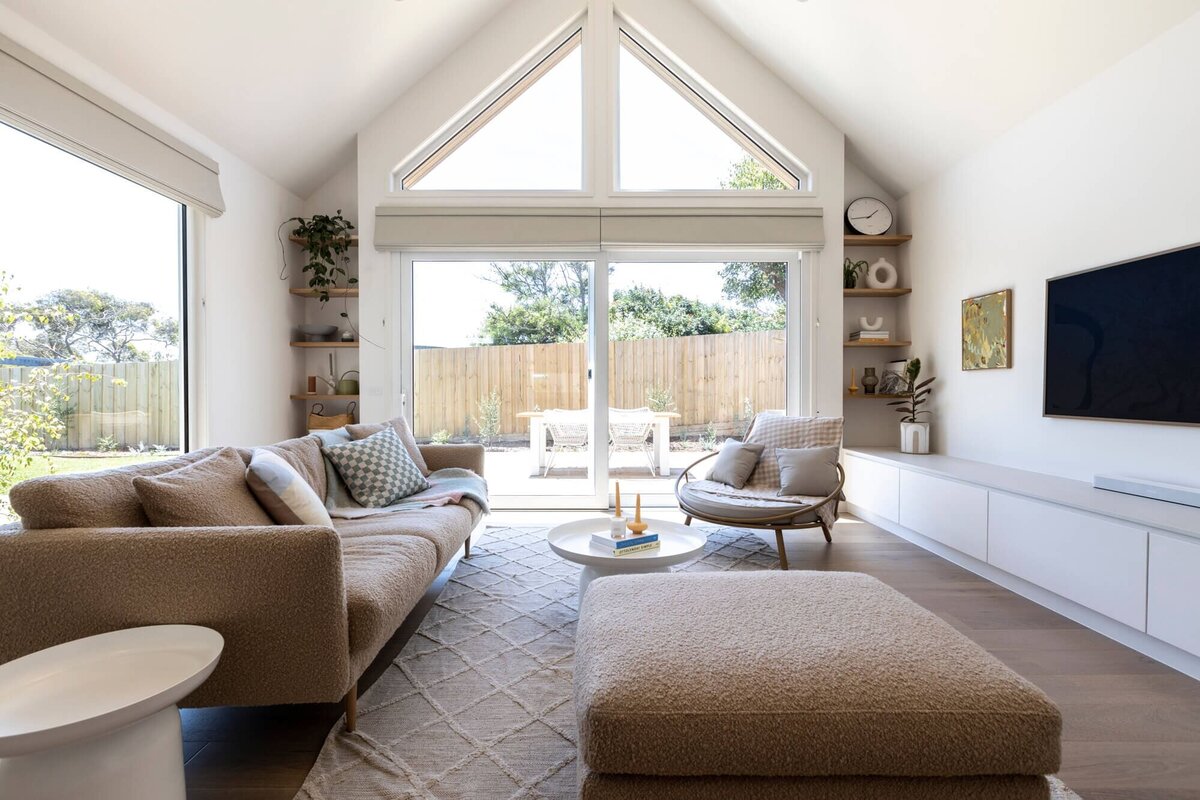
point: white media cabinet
(1125, 566)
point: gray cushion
(211, 492)
(735, 462)
(400, 425)
(377, 470)
(747, 510)
(281, 490)
(808, 471)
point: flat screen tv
(1123, 341)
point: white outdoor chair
(568, 430)
(629, 429)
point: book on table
(637, 548)
(606, 541)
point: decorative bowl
(318, 333)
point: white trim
(196, 361)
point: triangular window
(530, 138)
(672, 138)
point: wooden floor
(1132, 726)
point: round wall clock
(868, 215)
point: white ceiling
(284, 84)
(917, 85)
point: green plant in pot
(850, 272)
(326, 242)
(914, 433)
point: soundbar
(1155, 490)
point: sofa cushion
(211, 492)
(103, 499)
(808, 470)
(400, 426)
(735, 462)
(282, 492)
(797, 674)
(385, 576)
(304, 455)
(715, 501)
(377, 470)
(445, 527)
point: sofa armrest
(275, 593)
(465, 456)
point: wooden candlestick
(853, 388)
(637, 526)
(618, 511)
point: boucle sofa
(303, 610)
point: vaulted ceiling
(915, 85)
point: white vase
(914, 437)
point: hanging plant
(326, 242)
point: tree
(80, 324)
(564, 282)
(754, 284)
(749, 173)
(640, 312)
(539, 321)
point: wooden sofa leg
(467, 548)
(687, 521)
(782, 552)
(828, 535)
(351, 703)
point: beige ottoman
(796, 685)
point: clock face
(870, 216)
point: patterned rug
(478, 704)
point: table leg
(662, 446)
(537, 444)
(589, 574)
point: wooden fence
(717, 380)
(130, 402)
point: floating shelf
(317, 345)
(877, 344)
(877, 396)
(298, 240)
(859, 240)
(898, 292)
(324, 398)
(331, 292)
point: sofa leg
(687, 521)
(351, 703)
(828, 535)
(782, 552)
(467, 548)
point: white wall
(1107, 173)
(244, 327)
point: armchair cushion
(722, 502)
(735, 462)
(774, 431)
(808, 470)
(211, 492)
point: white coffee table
(96, 717)
(573, 541)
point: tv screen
(1123, 342)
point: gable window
(672, 138)
(529, 138)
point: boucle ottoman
(796, 685)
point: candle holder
(637, 527)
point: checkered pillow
(377, 470)
(775, 431)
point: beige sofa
(303, 610)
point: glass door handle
(589, 373)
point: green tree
(750, 174)
(566, 283)
(537, 321)
(761, 284)
(80, 324)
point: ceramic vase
(869, 380)
(914, 437)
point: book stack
(626, 545)
(870, 336)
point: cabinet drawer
(873, 486)
(952, 513)
(1095, 562)
(1174, 592)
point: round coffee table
(573, 541)
(96, 717)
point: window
(670, 138)
(530, 138)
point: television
(1123, 341)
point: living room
(386, 334)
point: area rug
(478, 704)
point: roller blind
(791, 229)
(42, 100)
(414, 228)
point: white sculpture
(882, 275)
(870, 325)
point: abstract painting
(987, 331)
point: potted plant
(850, 272)
(326, 243)
(914, 434)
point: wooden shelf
(298, 240)
(324, 344)
(324, 398)
(331, 292)
(877, 344)
(859, 240)
(897, 292)
(877, 396)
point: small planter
(914, 437)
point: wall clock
(869, 216)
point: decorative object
(870, 324)
(808, 471)
(869, 216)
(892, 380)
(346, 385)
(882, 275)
(987, 331)
(617, 527)
(735, 461)
(347, 335)
(377, 470)
(617, 512)
(318, 420)
(851, 270)
(327, 244)
(853, 388)
(869, 381)
(318, 333)
(281, 490)
(637, 526)
(312, 384)
(914, 433)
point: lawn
(55, 464)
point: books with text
(606, 541)
(637, 548)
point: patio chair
(629, 429)
(568, 431)
(758, 504)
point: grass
(48, 464)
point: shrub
(106, 444)
(488, 420)
(441, 437)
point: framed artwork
(987, 331)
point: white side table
(573, 541)
(96, 717)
